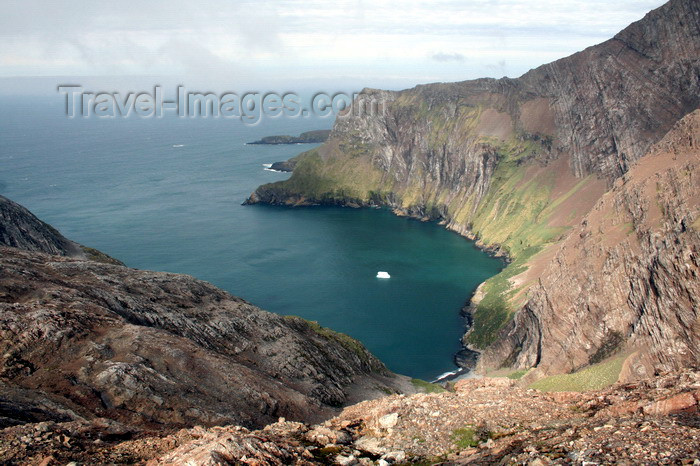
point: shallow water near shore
(165, 194)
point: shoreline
(449, 225)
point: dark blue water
(122, 187)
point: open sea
(165, 194)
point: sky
(395, 44)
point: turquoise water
(121, 186)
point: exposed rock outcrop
(487, 421)
(153, 349)
(284, 166)
(20, 228)
(308, 137)
(626, 278)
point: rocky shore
(82, 337)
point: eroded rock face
(20, 228)
(82, 339)
(625, 278)
(602, 107)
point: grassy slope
(594, 377)
(514, 215)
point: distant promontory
(309, 137)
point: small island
(309, 137)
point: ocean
(165, 194)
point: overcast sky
(272, 40)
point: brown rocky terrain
(102, 364)
(625, 279)
(483, 421)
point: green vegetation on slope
(514, 216)
(495, 310)
(426, 387)
(335, 179)
(511, 213)
(517, 375)
(470, 436)
(594, 377)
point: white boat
(383, 275)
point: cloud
(289, 38)
(498, 69)
(445, 57)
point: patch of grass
(594, 377)
(469, 436)
(427, 387)
(517, 375)
(465, 438)
(494, 310)
(99, 256)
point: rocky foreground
(483, 421)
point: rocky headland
(308, 137)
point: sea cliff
(514, 163)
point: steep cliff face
(81, 339)
(430, 145)
(626, 278)
(514, 163)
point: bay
(165, 194)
